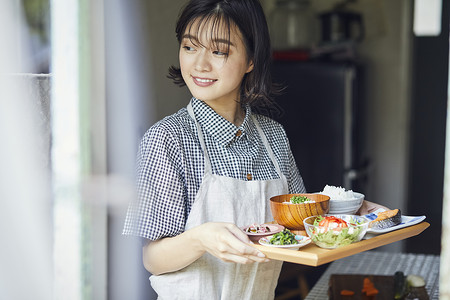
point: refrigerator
(323, 113)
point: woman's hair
(257, 88)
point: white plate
(302, 241)
(406, 221)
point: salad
(332, 232)
(285, 237)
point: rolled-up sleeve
(160, 208)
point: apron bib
(226, 199)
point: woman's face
(211, 70)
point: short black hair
(257, 88)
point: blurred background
(81, 81)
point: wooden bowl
(291, 215)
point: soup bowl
(291, 215)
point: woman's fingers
(242, 236)
(369, 207)
(243, 259)
(228, 243)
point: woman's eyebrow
(216, 41)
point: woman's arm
(223, 240)
(368, 207)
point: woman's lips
(203, 82)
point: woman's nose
(202, 62)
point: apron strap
(267, 145)
(208, 168)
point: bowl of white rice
(342, 201)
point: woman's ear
(250, 67)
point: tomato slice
(324, 222)
(332, 221)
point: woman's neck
(231, 111)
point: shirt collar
(217, 126)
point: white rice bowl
(344, 202)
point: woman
(211, 167)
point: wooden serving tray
(313, 255)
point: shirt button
(249, 176)
(238, 133)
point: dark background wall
(427, 140)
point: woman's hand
(368, 207)
(223, 240)
(228, 243)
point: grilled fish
(387, 219)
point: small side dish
(285, 239)
(256, 231)
(258, 228)
(332, 231)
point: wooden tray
(313, 255)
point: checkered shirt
(170, 165)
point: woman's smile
(203, 82)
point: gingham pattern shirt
(170, 165)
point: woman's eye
(220, 53)
(188, 48)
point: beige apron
(225, 199)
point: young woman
(211, 168)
